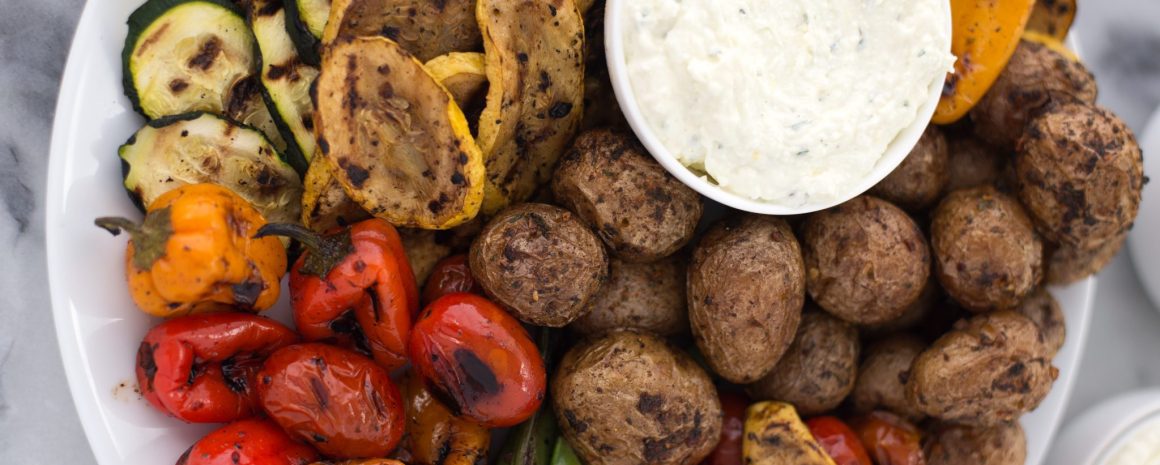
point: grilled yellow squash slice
(394, 137)
(425, 28)
(535, 69)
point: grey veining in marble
(38, 424)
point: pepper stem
(148, 238)
(323, 253)
(115, 224)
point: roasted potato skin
(920, 179)
(882, 376)
(1035, 76)
(971, 163)
(1080, 175)
(1002, 444)
(649, 297)
(1067, 264)
(641, 211)
(988, 370)
(916, 313)
(818, 370)
(746, 288)
(987, 254)
(866, 260)
(540, 263)
(630, 398)
(1042, 308)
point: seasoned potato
(971, 163)
(882, 376)
(539, 262)
(325, 204)
(630, 398)
(641, 211)
(987, 254)
(649, 297)
(1002, 444)
(866, 260)
(915, 313)
(1042, 308)
(746, 288)
(775, 435)
(918, 182)
(425, 28)
(818, 370)
(1080, 175)
(988, 370)
(1067, 264)
(535, 98)
(1035, 76)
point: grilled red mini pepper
(201, 368)
(728, 450)
(450, 275)
(478, 360)
(839, 441)
(353, 287)
(253, 441)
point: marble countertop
(38, 424)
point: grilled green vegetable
(186, 55)
(285, 81)
(204, 148)
(305, 20)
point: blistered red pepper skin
(201, 368)
(478, 360)
(253, 441)
(451, 275)
(728, 450)
(889, 438)
(340, 402)
(366, 301)
(839, 441)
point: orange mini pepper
(195, 253)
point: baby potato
(971, 163)
(987, 254)
(746, 288)
(1002, 444)
(866, 260)
(882, 376)
(629, 398)
(540, 263)
(1067, 264)
(918, 182)
(818, 370)
(1042, 308)
(988, 370)
(640, 210)
(649, 297)
(915, 314)
(1035, 76)
(1080, 175)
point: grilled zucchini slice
(325, 204)
(199, 147)
(305, 21)
(394, 137)
(535, 67)
(185, 55)
(285, 81)
(248, 105)
(425, 28)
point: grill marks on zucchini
(200, 147)
(535, 66)
(185, 55)
(285, 81)
(426, 28)
(394, 138)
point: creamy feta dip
(783, 101)
(1142, 448)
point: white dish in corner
(1142, 240)
(99, 329)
